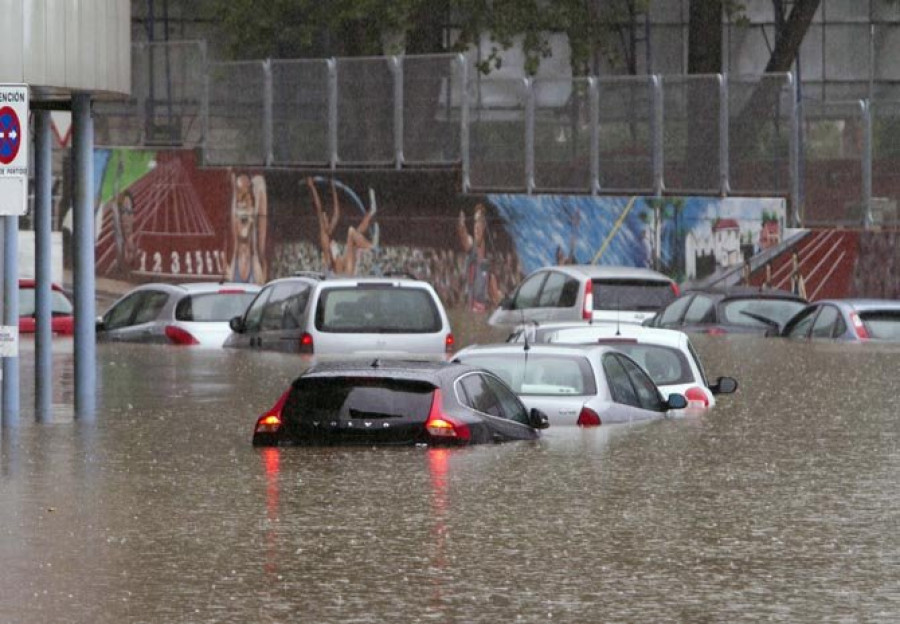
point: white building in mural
(723, 243)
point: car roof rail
(319, 275)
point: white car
(575, 292)
(666, 354)
(194, 314)
(575, 385)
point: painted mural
(161, 217)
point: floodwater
(782, 504)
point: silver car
(182, 314)
(586, 292)
(847, 320)
(363, 316)
(575, 385)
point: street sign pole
(13, 202)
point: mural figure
(482, 291)
(332, 259)
(126, 240)
(249, 211)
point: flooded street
(782, 504)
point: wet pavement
(783, 504)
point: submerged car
(364, 316)
(586, 292)
(575, 385)
(849, 320)
(180, 314)
(734, 310)
(666, 354)
(62, 312)
(397, 402)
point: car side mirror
(236, 324)
(538, 419)
(505, 303)
(98, 324)
(676, 401)
(724, 385)
(648, 322)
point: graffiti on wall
(161, 217)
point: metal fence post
(268, 154)
(204, 113)
(332, 113)
(867, 162)
(794, 154)
(529, 135)
(594, 103)
(724, 187)
(464, 122)
(656, 129)
(397, 71)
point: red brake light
(270, 422)
(306, 343)
(231, 291)
(180, 336)
(449, 343)
(716, 331)
(442, 426)
(588, 418)
(587, 313)
(858, 326)
(676, 290)
(696, 397)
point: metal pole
(656, 128)
(332, 113)
(867, 163)
(11, 317)
(794, 153)
(529, 135)
(724, 173)
(464, 122)
(204, 112)
(268, 134)
(43, 338)
(397, 71)
(594, 102)
(83, 239)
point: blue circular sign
(10, 135)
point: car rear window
(882, 324)
(743, 311)
(348, 398)
(59, 304)
(539, 374)
(631, 294)
(384, 309)
(213, 307)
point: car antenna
(618, 315)
(525, 331)
(376, 363)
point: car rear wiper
(763, 319)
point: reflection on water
(779, 505)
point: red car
(62, 322)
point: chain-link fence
(651, 135)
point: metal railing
(700, 134)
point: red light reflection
(271, 458)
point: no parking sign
(13, 149)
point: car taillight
(270, 422)
(231, 291)
(439, 425)
(449, 343)
(306, 343)
(696, 397)
(588, 418)
(587, 313)
(180, 336)
(675, 289)
(716, 331)
(858, 326)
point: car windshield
(213, 307)
(377, 309)
(538, 373)
(882, 324)
(752, 311)
(59, 304)
(348, 398)
(631, 294)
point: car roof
(862, 304)
(199, 287)
(595, 271)
(650, 335)
(423, 370)
(518, 348)
(26, 282)
(744, 292)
